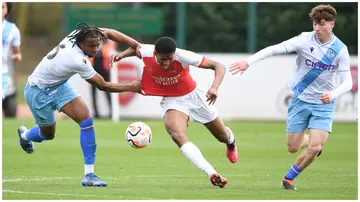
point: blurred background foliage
(210, 27)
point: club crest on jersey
(331, 54)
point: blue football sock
(88, 141)
(293, 172)
(35, 134)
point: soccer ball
(138, 135)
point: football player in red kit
(166, 74)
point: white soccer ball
(138, 135)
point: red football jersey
(175, 80)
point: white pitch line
(61, 194)
(113, 178)
(38, 179)
(167, 176)
(78, 195)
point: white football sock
(89, 168)
(23, 135)
(231, 136)
(194, 155)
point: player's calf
(48, 132)
(179, 138)
(49, 136)
(314, 150)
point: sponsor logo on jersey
(319, 65)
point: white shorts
(193, 104)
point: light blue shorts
(44, 102)
(5, 84)
(303, 115)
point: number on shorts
(55, 51)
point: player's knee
(314, 149)
(293, 148)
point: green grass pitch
(160, 171)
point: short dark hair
(83, 31)
(9, 8)
(165, 45)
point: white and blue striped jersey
(316, 65)
(10, 38)
(64, 61)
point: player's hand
(115, 58)
(16, 57)
(240, 66)
(211, 95)
(136, 86)
(138, 54)
(326, 98)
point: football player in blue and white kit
(10, 46)
(48, 89)
(320, 54)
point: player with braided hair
(82, 31)
(48, 90)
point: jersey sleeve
(344, 61)
(190, 58)
(147, 50)
(345, 74)
(17, 39)
(266, 52)
(294, 43)
(84, 68)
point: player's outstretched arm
(119, 37)
(98, 81)
(242, 65)
(285, 47)
(219, 75)
(126, 53)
